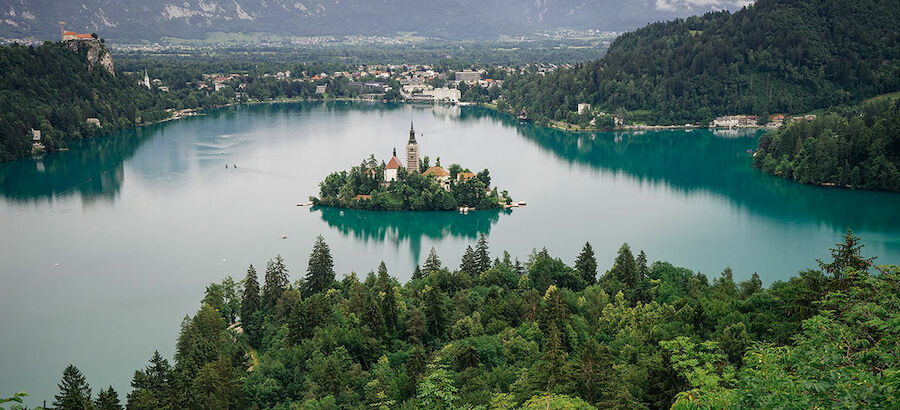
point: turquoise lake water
(104, 249)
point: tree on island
(320, 272)
(364, 187)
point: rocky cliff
(97, 53)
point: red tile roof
(437, 171)
(394, 163)
(464, 176)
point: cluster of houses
(416, 82)
(752, 121)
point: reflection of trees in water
(92, 169)
(700, 160)
(412, 226)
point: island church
(412, 158)
(412, 164)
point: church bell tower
(412, 151)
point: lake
(104, 249)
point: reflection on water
(168, 217)
(715, 161)
(91, 169)
(395, 227)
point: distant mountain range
(137, 20)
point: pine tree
(276, 282)
(74, 391)
(625, 271)
(469, 264)
(372, 317)
(388, 299)
(107, 400)
(415, 325)
(554, 311)
(596, 380)
(553, 368)
(417, 273)
(847, 255)
(432, 262)
(586, 264)
(643, 269)
(320, 273)
(435, 312)
(482, 257)
(152, 386)
(519, 268)
(250, 322)
(751, 286)
(383, 281)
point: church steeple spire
(412, 151)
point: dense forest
(364, 187)
(856, 147)
(775, 56)
(54, 89)
(498, 333)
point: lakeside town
(407, 83)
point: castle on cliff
(71, 35)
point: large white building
(446, 94)
(468, 75)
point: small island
(416, 187)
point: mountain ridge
(134, 20)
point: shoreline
(197, 112)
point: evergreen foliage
(54, 88)
(853, 147)
(450, 339)
(276, 281)
(320, 271)
(107, 399)
(410, 192)
(774, 56)
(586, 264)
(482, 257)
(250, 306)
(432, 262)
(74, 391)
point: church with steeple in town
(412, 151)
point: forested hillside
(857, 148)
(498, 333)
(54, 88)
(776, 56)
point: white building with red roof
(391, 169)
